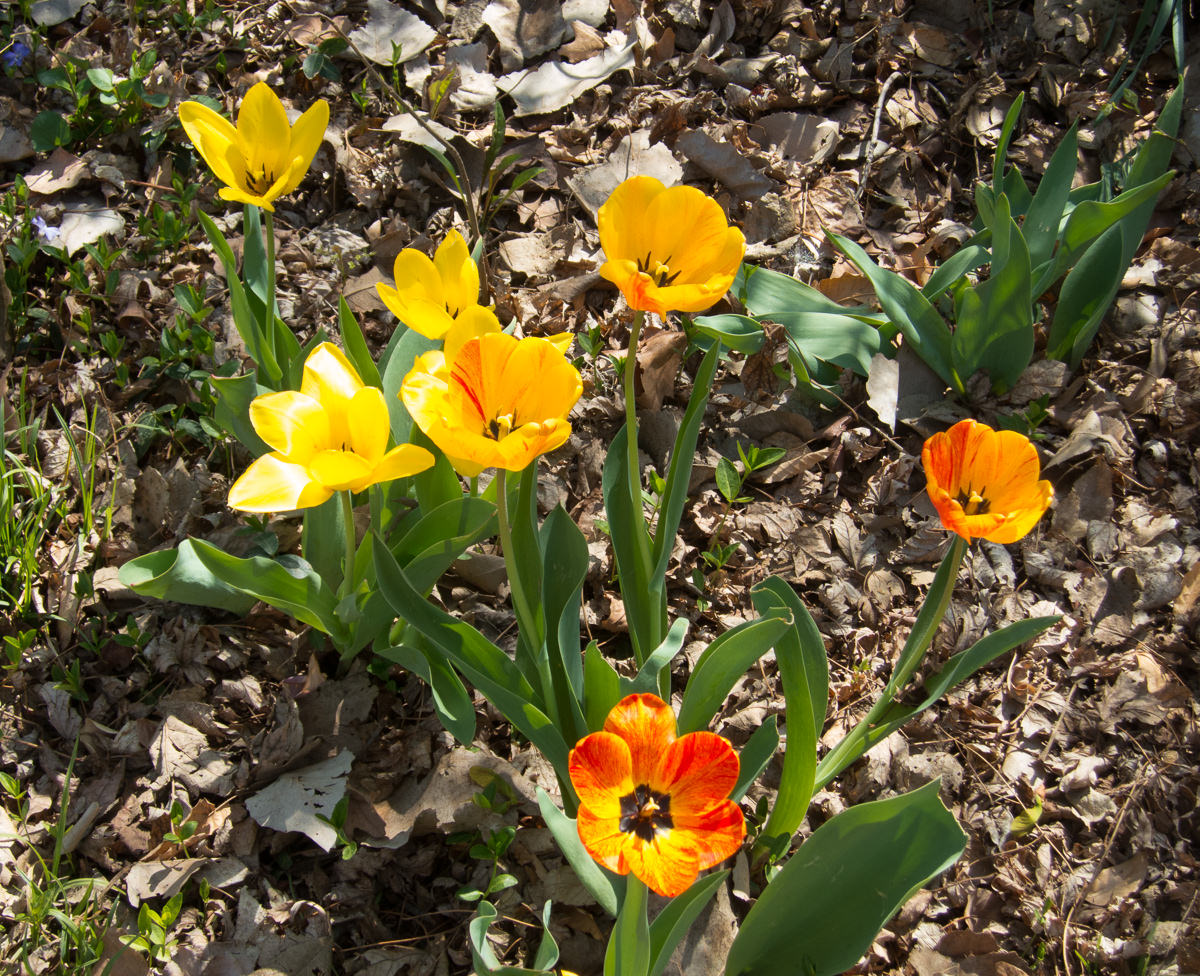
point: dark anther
(645, 812)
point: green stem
(628, 952)
(631, 439)
(269, 317)
(348, 580)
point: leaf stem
(348, 580)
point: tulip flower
(652, 803)
(265, 156)
(331, 436)
(439, 298)
(984, 483)
(499, 403)
(667, 249)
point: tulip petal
(291, 423)
(712, 835)
(698, 770)
(543, 383)
(402, 462)
(369, 423)
(621, 218)
(264, 135)
(472, 321)
(647, 725)
(603, 839)
(668, 864)
(340, 470)
(329, 377)
(215, 139)
(236, 194)
(272, 484)
(602, 773)
(459, 275)
(306, 137)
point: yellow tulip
(331, 436)
(667, 249)
(439, 298)
(263, 158)
(499, 403)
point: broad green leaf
(608, 889)
(432, 543)
(673, 922)
(767, 294)
(232, 410)
(721, 664)
(994, 327)
(179, 576)
(1085, 296)
(564, 566)
(908, 309)
(822, 911)
(739, 332)
(804, 672)
(323, 540)
(1045, 213)
(843, 340)
(602, 687)
(295, 588)
(963, 261)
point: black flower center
(972, 502)
(261, 183)
(645, 812)
(658, 270)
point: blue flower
(16, 54)
(45, 231)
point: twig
(869, 151)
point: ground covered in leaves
(866, 117)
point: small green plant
(182, 828)
(100, 101)
(15, 646)
(154, 930)
(337, 820)
(730, 483)
(491, 846)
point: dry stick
(869, 150)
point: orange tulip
(984, 483)
(652, 803)
(499, 403)
(667, 249)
